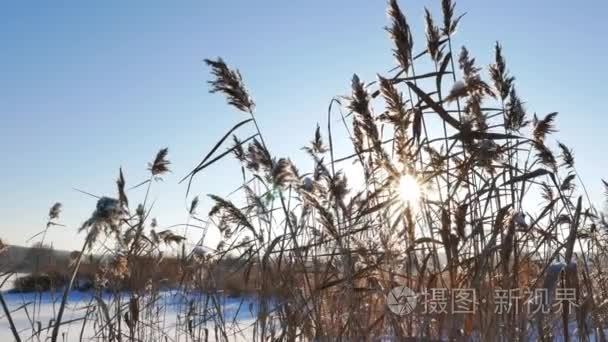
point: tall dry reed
(485, 204)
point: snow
(237, 311)
(458, 88)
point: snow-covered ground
(30, 308)
(41, 308)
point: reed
(485, 205)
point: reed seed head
(160, 165)
(399, 32)
(230, 83)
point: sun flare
(409, 189)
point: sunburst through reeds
(450, 166)
(409, 190)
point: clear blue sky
(87, 87)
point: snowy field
(32, 312)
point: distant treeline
(43, 268)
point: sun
(409, 189)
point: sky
(88, 87)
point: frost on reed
(495, 209)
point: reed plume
(401, 36)
(160, 165)
(230, 83)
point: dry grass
(499, 210)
